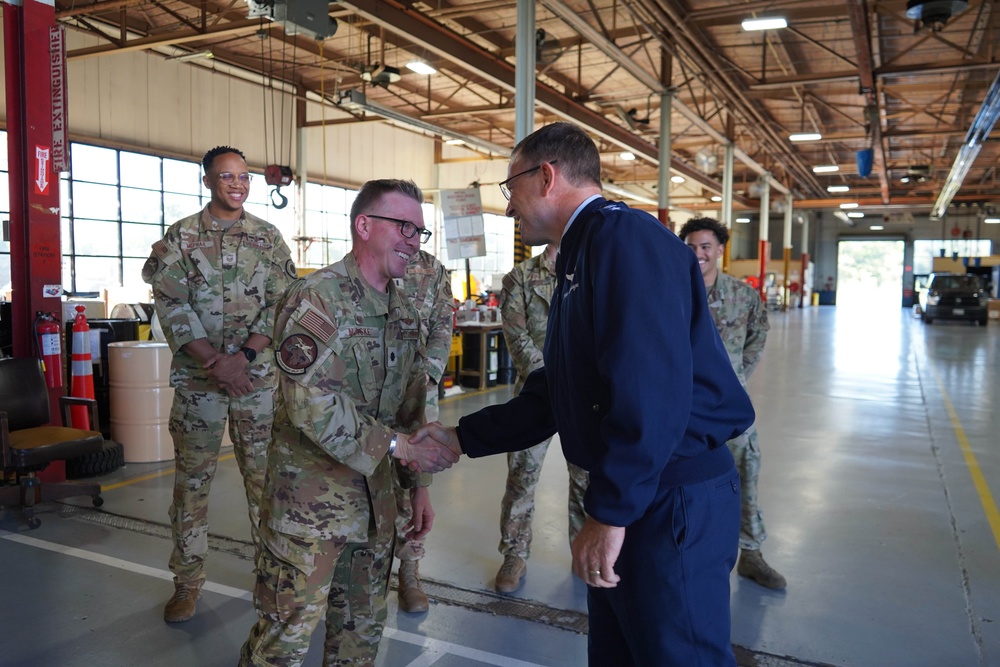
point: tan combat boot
(411, 595)
(753, 566)
(511, 573)
(181, 606)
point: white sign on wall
(464, 232)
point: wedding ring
(596, 573)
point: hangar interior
(880, 433)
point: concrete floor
(880, 444)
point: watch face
(249, 353)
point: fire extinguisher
(48, 347)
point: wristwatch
(392, 444)
(249, 353)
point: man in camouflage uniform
(428, 286)
(524, 303)
(741, 320)
(216, 277)
(351, 384)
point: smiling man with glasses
(351, 387)
(644, 399)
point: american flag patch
(315, 323)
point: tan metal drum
(141, 395)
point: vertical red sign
(57, 68)
(41, 171)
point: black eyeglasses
(406, 228)
(505, 185)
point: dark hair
(705, 224)
(373, 191)
(209, 157)
(578, 158)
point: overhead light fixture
(852, 204)
(837, 188)
(978, 133)
(876, 228)
(855, 214)
(676, 179)
(716, 198)
(355, 101)
(743, 220)
(187, 57)
(992, 221)
(625, 155)
(420, 67)
(765, 23)
(904, 179)
(454, 142)
(805, 136)
(826, 169)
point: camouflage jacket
(350, 375)
(429, 287)
(218, 284)
(741, 320)
(524, 304)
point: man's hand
(446, 436)
(424, 455)
(423, 514)
(595, 552)
(229, 371)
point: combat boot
(181, 606)
(412, 598)
(753, 566)
(511, 573)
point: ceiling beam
(858, 11)
(247, 26)
(919, 69)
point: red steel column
(35, 256)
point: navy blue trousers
(671, 607)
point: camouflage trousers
(302, 582)
(746, 452)
(197, 421)
(517, 509)
(407, 549)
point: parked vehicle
(954, 296)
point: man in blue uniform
(644, 398)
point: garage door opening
(870, 275)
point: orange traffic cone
(82, 385)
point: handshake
(432, 448)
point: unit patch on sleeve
(297, 353)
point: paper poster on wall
(464, 232)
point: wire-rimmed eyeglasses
(406, 228)
(229, 177)
(505, 185)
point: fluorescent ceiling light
(852, 204)
(185, 57)
(904, 179)
(420, 67)
(716, 198)
(454, 142)
(837, 188)
(677, 179)
(742, 219)
(805, 136)
(855, 214)
(826, 169)
(765, 23)
(627, 155)
(992, 221)
(876, 228)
